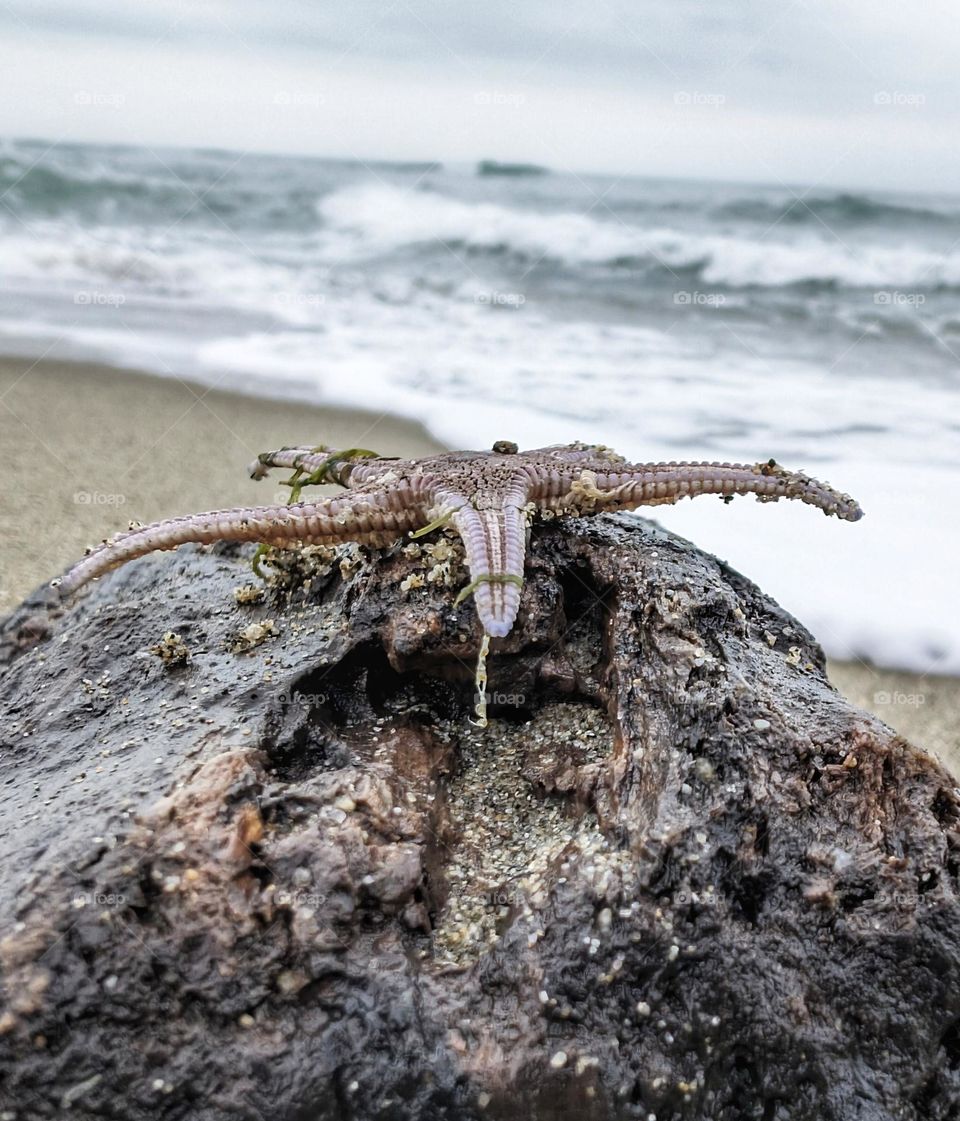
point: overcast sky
(855, 92)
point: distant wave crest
(45, 186)
(381, 219)
(515, 170)
(843, 209)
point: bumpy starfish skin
(488, 497)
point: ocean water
(668, 319)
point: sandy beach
(88, 448)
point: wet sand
(84, 449)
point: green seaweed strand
(322, 474)
(437, 523)
(489, 578)
(256, 559)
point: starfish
(489, 499)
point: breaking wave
(382, 219)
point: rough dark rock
(282, 876)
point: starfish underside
(488, 498)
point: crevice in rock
(517, 793)
(856, 895)
(950, 1042)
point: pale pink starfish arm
(349, 467)
(370, 518)
(493, 529)
(628, 486)
(495, 543)
(309, 458)
(352, 467)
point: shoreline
(88, 447)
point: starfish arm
(291, 458)
(371, 518)
(494, 540)
(326, 465)
(656, 484)
(353, 468)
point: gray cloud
(781, 70)
(649, 43)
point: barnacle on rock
(252, 636)
(171, 649)
(249, 594)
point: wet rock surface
(259, 864)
